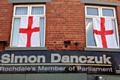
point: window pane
(42, 22)
(21, 11)
(114, 27)
(92, 11)
(37, 10)
(108, 12)
(15, 32)
(89, 33)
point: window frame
(100, 15)
(29, 14)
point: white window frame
(100, 15)
(29, 14)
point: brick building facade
(65, 20)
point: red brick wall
(65, 20)
(5, 21)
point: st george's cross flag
(104, 33)
(29, 35)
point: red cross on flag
(104, 33)
(29, 35)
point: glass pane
(90, 41)
(92, 11)
(15, 32)
(21, 11)
(114, 27)
(42, 24)
(108, 12)
(37, 10)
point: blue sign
(59, 62)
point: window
(27, 10)
(97, 12)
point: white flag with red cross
(29, 35)
(104, 33)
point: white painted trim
(44, 30)
(20, 6)
(91, 7)
(11, 32)
(109, 8)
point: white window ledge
(101, 2)
(101, 49)
(25, 48)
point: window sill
(101, 49)
(24, 48)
